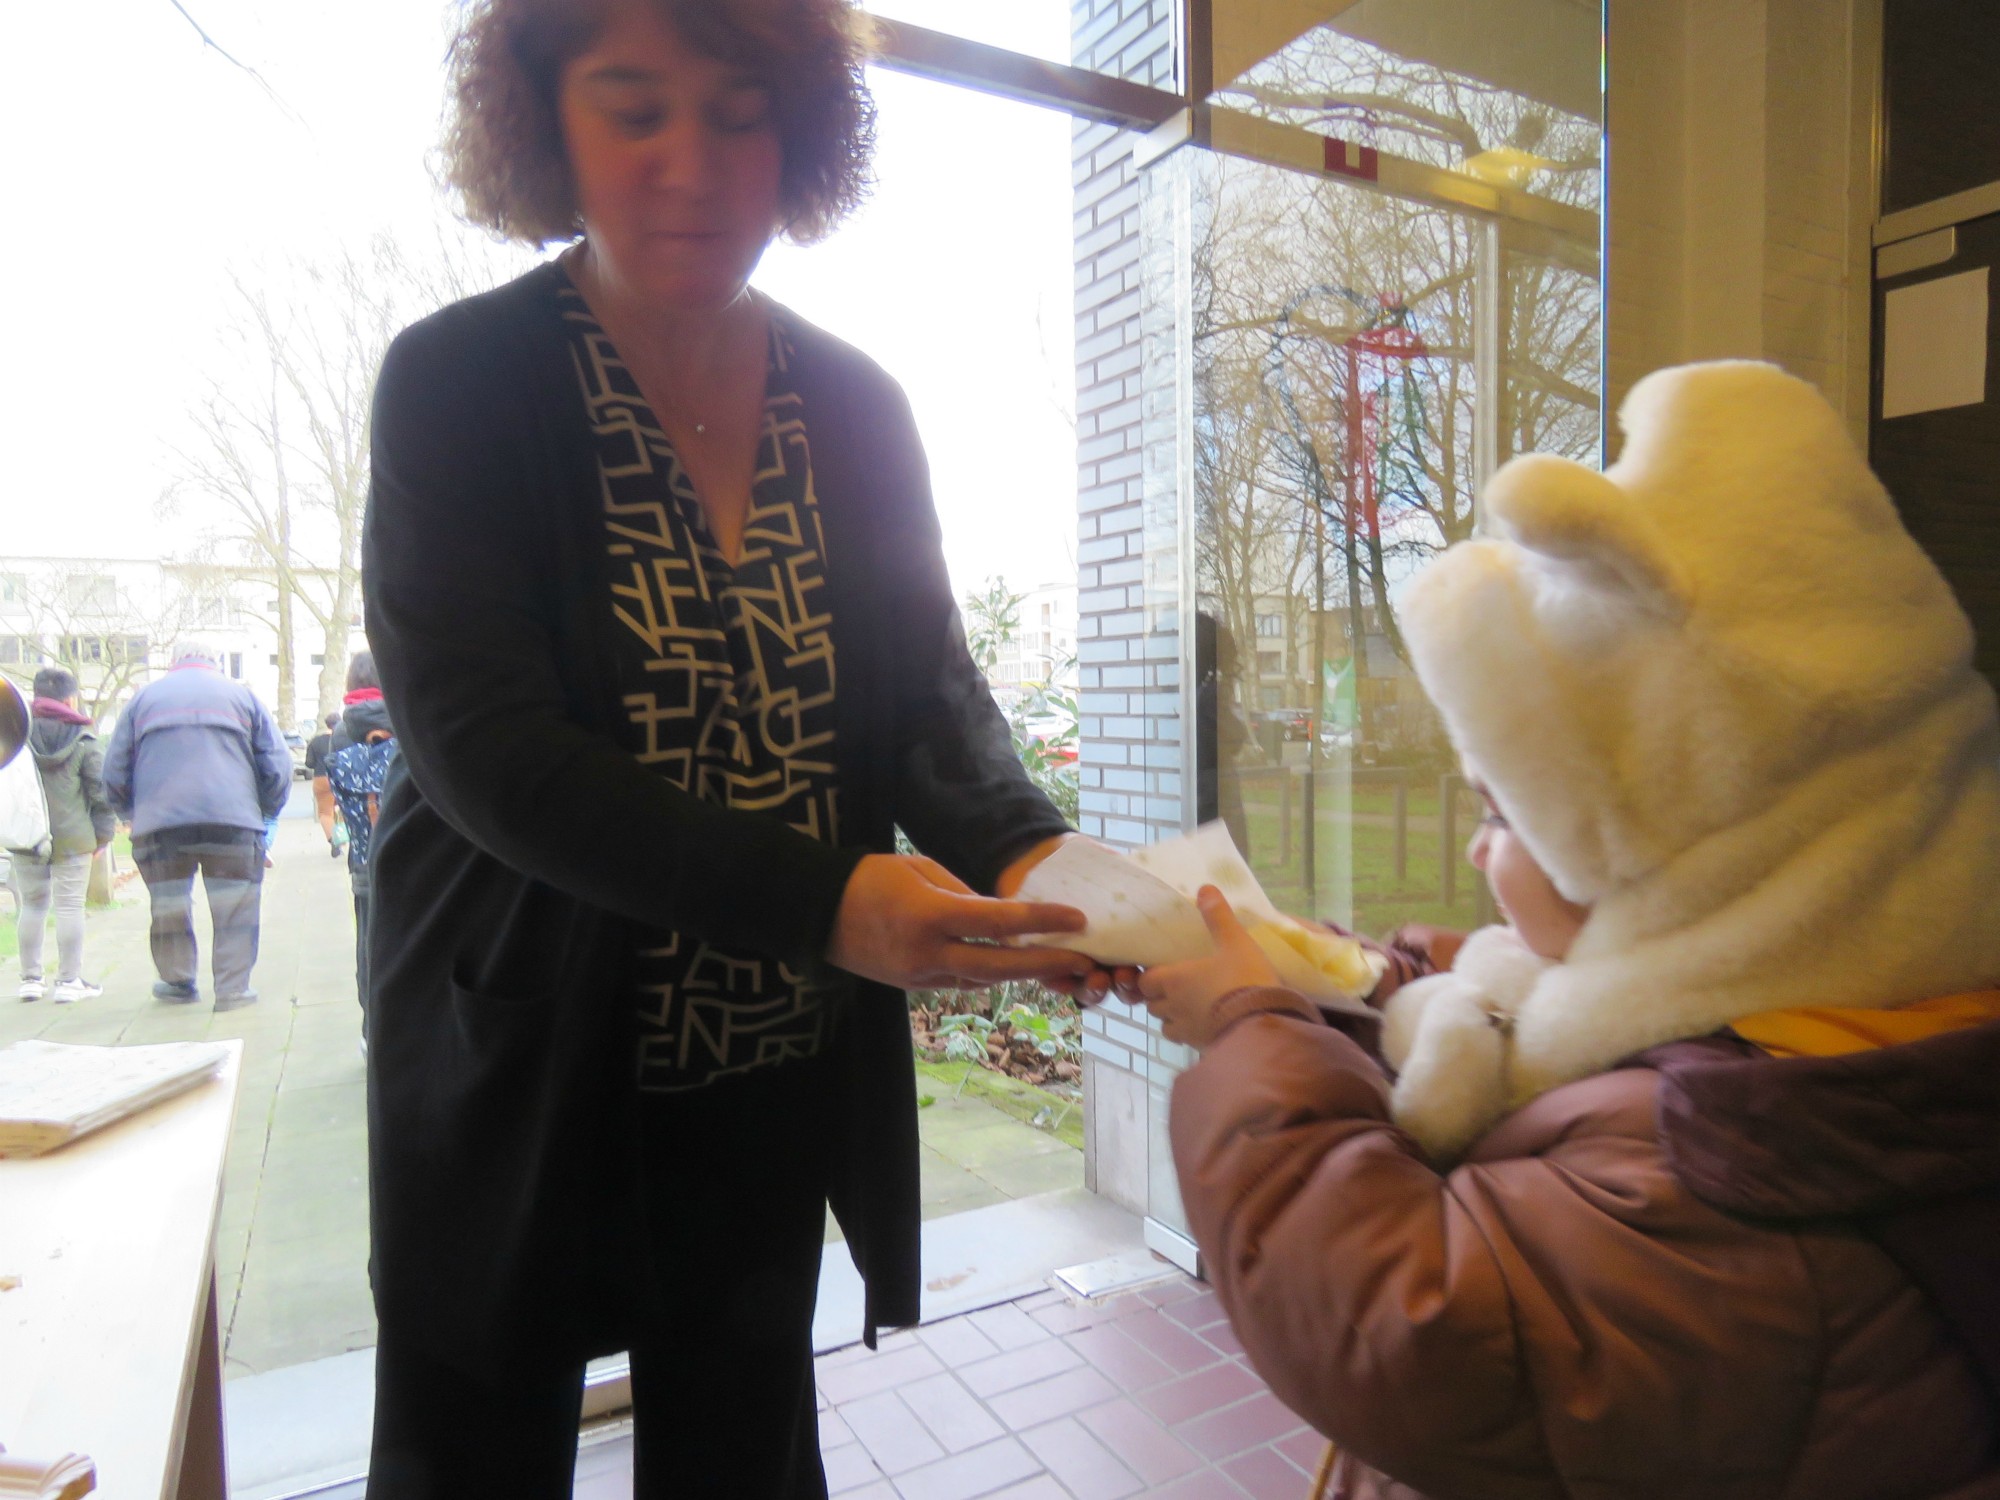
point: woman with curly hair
(655, 591)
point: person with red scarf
(80, 825)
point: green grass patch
(1060, 1116)
(1381, 901)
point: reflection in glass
(1332, 358)
(1135, 45)
(1459, 87)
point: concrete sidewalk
(291, 1257)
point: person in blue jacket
(355, 771)
(198, 765)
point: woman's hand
(907, 921)
(1184, 995)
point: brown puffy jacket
(1709, 1274)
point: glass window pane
(1332, 373)
(1135, 42)
(1333, 376)
(1507, 92)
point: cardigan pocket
(489, 1025)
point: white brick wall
(1129, 764)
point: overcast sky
(144, 170)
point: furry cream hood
(1727, 702)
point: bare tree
(276, 475)
(240, 465)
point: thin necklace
(574, 272)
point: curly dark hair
(503, 147)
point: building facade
(115, 622)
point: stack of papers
(70, 1477)
(1141, 911)
(51, 1093)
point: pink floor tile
(1074, 1317)
(1305, 1448)
(1173, 1289)
(1087, 1469)
(1143, 1445)
(1222, 1338)
(1167, 1341)
(848, 1468)
(1019, 1367)
(957, 1342)
(1193, 1395)
(951, 1413)
(1129, 1367)
(1041, 1487)
(1266, 1475)
(1008, 1326)
(966, 1475)
(1196, 1313)
(881, 1372)
(1204, 1484)
(1261, 1419)
(891, 1433)
(850, 1354)
(1058, 1396)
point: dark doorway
(1942, 462)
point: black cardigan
(519, 845)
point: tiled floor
(1042, 1399)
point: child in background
(81, 823)
(1688, 1183)
(356, 773)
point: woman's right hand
(907, 921)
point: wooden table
(110, 1345)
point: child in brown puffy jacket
(1686, 1180)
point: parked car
(1294, 723)
(296, 743)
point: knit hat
(1726, 701)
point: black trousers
(734, 1204)
(361, 954)
(230, 862)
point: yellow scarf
(1829, 1032)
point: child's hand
(1184, 995)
